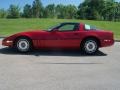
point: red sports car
(63, 36)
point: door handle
(76, 34)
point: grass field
(11, 26)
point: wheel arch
(91, 37)
(22, 36)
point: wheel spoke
(23, 45)
(90, 46)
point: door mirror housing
(54, 30)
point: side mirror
(54, 30)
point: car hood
(27, 33)
(31, 32)
(34, 31)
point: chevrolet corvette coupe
(63, 36)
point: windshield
(89, 27)
(53, 27)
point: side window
(87, 27)
(67, 27)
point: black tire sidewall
(84, 49)
(29, 48)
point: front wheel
(23, 45)
(90, 46)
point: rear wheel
(23, 44)
(90, 46)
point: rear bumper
(107, 42)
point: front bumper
(107, 42)
(6, 42)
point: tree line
(89, 9)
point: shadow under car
(75, 53)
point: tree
(68, 12)
(90, 9)
(71, 11)
(37, 9)
(50, 11)
(13, 12)
(27, 11)
(60, 11)
(118, 12)
(3, 13)
(110, 10)
(99, 10)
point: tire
(90, 46)
(23, 45)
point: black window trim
(75, 24)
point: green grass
(12, 26)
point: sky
(6, 3)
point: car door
(65, 36)
(68, 36)
(46, 39)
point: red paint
(67, 39)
